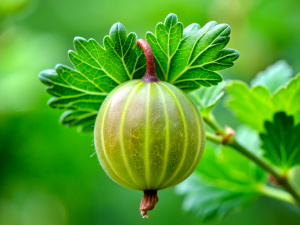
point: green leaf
(98, 70)
(287, 99)
(207, 98)
(223, 182)
(188, 58)
(280, 142)
(252, 106)
(274, 77)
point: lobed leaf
(280, 142)
(223, 182)
(188, 58)
(98, 70)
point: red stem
(150, 75)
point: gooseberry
(148, 134)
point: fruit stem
(150, 75)
(148, 202)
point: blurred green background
(49, 174)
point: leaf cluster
(186, 57)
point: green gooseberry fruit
(148, 134)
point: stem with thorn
(222, 137)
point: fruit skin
(148, 135)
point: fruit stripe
(185, 137)
(123, 117)
(167, 142)
(147, 134)
(112, 169)
(201, 141)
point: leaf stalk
(276, 193)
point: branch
(280, 177)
